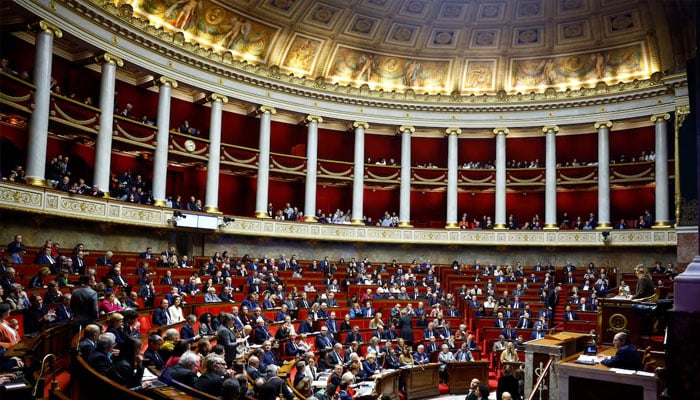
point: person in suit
(185, 371)
(354, 336)
(226, 338)
(45, 258)
(212, 379)
(538, 332)
(569, 315)
(626, 357)
(151, 357)
(331, 323)
(274, 387)
(324, 339)
(268, 356)
(405, 326)
(509, 332)
(106, 260)
(161, 316)
(370, 366)
(500, 321)
(167, 279)
(147, 255)
(187, 330)
(507, 383)
(471, 393)
(432, 345)
(127, 368)
(307, 326)
(420, 356)
(291, 348)
(88, 343)
(252, 369)
(261, 334)
(645, 286)
(100, 359)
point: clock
(617, 322)
(190, 145)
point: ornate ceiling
(432, 46)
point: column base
(405, 224)
(36, 182)
(212, 209)
(500, 227)
(262, 214)
(661, 225)
(451, 225)
(357, 222)
(159, 203)
(310, 218)
(551, 227)
(603, 226)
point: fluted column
(312, 122)
(103, 145)
(358, 177)
(405, 190)
(661, 171)
(550, 185)
(39, 121)
(211, 198)
(160, 159)
(500, 217)
(266, 113)
(603, 128)
(452, 169)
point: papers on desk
(588, 360)
(364, 389)
(623, 371)
(148, 376)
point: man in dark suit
(252, 368)
(147, 292)
(147, 255)
(274, 387)
(161, 316)
(187, 330)
(63, 310)
(151, 357)
(89, 341)
(307, 326)
(100, 358)
(185, 371)
(509, 332)
(167, 279)
(354, 336)
(627, 356)
(291, 348)
(324, 339)
(83, 302)
(212, 379)
(471, 394)
(569, 315)
(106, 260)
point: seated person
(626, 357)
(101, 358)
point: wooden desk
(421, 381)
(461, 374)
(537, 353)
(583, 382)
(388, 383)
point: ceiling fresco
(427, 46)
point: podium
(387, 383)
(461, 373)
(538, 352)
(616, 315)
(421, 381)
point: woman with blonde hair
(376, 321)
(509, 354)
(406, 357)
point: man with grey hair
(214, 374)
(100, 358)
(185, 371)
(89, 341)
(274, 386)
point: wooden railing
(540, 380)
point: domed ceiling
(433, 46)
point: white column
(500, 217)
(661, 171)
(452, 169)
(103, 145)
(39, 121)
(405, 190)
(358, 178)
(211, 198)
(266, 113)
(550, 186)
(311, 167)
(160, 159)
(603, 128)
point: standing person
(406, 327)
(645, 286)
(83, 302)
(508, 383)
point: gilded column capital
(681, 113)
(601, 124)
(47, 27)
(164, 80)
(360, 124)
(406, 129)
(216, 97)
(501, 131)
(656, 118)
(110, 58)
(452, 131)
(550, 128)
(266, 110)
(313, 118)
